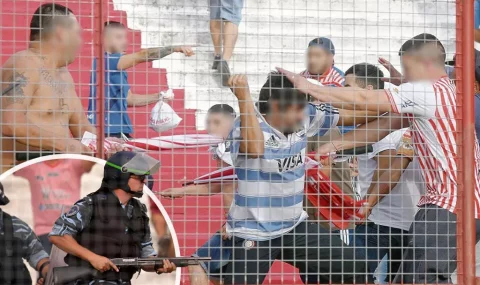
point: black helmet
(150, 182)
(122, 165)
(3, 199)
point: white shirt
(398, 209)
(222, 152)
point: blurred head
(282, 104)
(57, 26)
(220, 119)
(115, 37)
(365, 76)
(320, 55)
(422, 57)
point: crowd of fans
(385, 141)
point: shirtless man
(40, 108)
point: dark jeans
(373, 242)
(319, 254)
(431, 253)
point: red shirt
(53, 187)
(332, 77)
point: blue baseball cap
(324, 43)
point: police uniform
(100, 223)
(17, 242)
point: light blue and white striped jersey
(269, 199)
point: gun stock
(66, 274)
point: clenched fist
(239, 85)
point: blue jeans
(219, 250)
(374, 243)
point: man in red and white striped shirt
(427, 102)
(320, 63)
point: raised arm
(20, 83)
(251, 135)
(345, 98)
(134, 100)
(366, 134)
(354, 118)
(151, 54)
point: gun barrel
(178, 261)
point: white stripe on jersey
(333, 76)
(269, 198)
(432, 112)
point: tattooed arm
(19, 84)
(150, 54)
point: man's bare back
(42, 111)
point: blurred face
(69, 39)
(318, 60)
(414, 68)
(116, 40)
(287, 120)
(219, 124)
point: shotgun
(67, 274)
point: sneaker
(224, 71)
(216, 61)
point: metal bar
(459, 81)
(467, 142)
(100, 79)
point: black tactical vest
(12, 269)
(112, 234)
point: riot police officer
(110, 223)
(18, 242)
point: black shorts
(319, 254)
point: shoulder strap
(7, 221)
